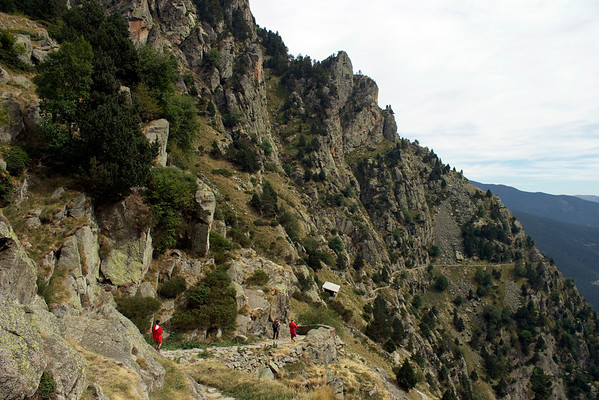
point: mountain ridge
(293, 176)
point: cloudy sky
(507, 91)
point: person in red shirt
(157, 335)
(292, 328)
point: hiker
(292, 328)
(157, 334)
(276, 327)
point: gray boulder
(21, 353)
(158, 131)
(199, 233)
(18, 273)
(128, 244)
(25, 48)
(16, 125)
(107, 332)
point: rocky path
(229, 355)
(264, 359)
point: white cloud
(482, 83)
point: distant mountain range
(566, 228)
(589, 198)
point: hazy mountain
(563, 227)
(574, 248)
(589, 198)
(569, 209)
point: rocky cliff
(298, 177)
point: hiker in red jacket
(292, 328)
(157, 335)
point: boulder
(321, 346)
(157, 131)
(18, 273)
(16, 125)
(107, 332)
(21, 352)
(127, 243)
(23, 43)
(128, 262)
(199, 233)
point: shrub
(290, 223)
(321, 316)
(434, 251)
(171, 288)
(441, 283)
(258, 278)
(209, 304)
(171, 194)
(406, 377)
(243, 154)
(47, 386)
(336, 244)
(6, 188)
(16, 160)
(138, 309)
(220, 246)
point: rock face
(199, 233)
(21, 352)
(157, 131)
(106, 332)
(16, 125)
(128, 243)
(17, 272)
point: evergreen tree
(406, 377)
(65, 81)
(115, 154)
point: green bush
(16, 160)
(406, 377)
(209, 304)
(171, 288)
(441, 283)
(6, 188)
(220, 246)
(321, 316)
(47, 386)
(290, 223)
(138, 309)
(258, 278)
(171, 194)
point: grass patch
(176, 383)
(117, 382)
(242, 385)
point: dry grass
(117, 382)
(176, 383)
(245, 386)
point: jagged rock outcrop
(127, 242)
(105, 331)
(17, 272)
(16, 125)
(199, 232)
(157, 131)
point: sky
(507, 91)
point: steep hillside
(574, 248)
(572, 245)
(218, 189)
(568, 209)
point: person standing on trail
(292, 328)
(157, 334)
(276, 327)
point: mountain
(589, 198)
(195, 173)
(572, 246)
(569, 209)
